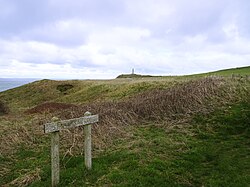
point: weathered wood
(65, 124)
(55, 126)
(55, 156)
(87, 144)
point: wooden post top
(87, 113)
(57, 125)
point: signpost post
(54, 128)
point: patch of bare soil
(50, 107)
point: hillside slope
(240, 71)
(85, 91)
(155, 131)
(79, 91)
(234, 71)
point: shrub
(3, 108)
(64, 87)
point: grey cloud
(32, 20)
(24, 15)
(52, 33)
(189, 18)
(73, 32)
(243, 17)
(83, 63)
(94, 10)
(195, 17)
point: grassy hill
(242, 71)
(233, 72)
(80, 91)
(153, 131)
(132, 76)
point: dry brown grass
(16, 131)
(170, 104)
(26, 179)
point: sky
(100, 39)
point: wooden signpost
(55, 126)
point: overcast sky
(86, 39)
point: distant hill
(233, 71)
(226, 72)
(133, 76)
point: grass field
(153, 131)
(236, 71)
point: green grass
(220, 150)
(140, 165)
(242, 71)
(238, 72)
(212, 150)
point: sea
(9, 83)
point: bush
(64, 87)
(3, 108)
